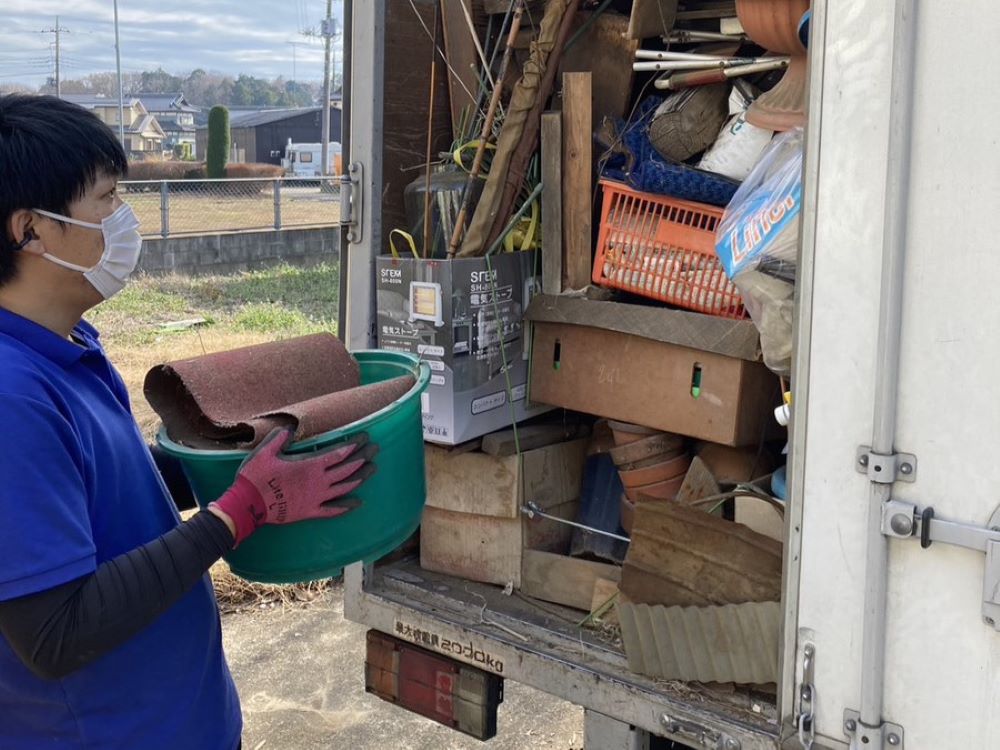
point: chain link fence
(183, 207)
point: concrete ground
(300, 673)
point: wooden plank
(531, 437)
(552, 219)
(466, 545)
(408, 52)
(606, 51)
(496, 486)
(460, 48)
(577, 127)
(563, 580)
(731, 338)
(472, 483)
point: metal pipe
(671, 65)
(684, 36)
(652, 54)
(704, 77)
(894, 240)
(531, 510)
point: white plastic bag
(737, 149)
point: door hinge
(903, 520)
(352, 201)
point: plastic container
(664, 249)
(391, 500)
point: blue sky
(227, 36)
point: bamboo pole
(430, 138)
(487, 130)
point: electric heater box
(464, 317)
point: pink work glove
(273, 487)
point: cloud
(227, 36)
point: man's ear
(20, 229)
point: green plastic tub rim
(419, 369)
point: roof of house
(145, 124)
(253, 119)
(170, 125)
(96, 100)
(167, 102)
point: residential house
(261, 135)
(144, 137)
(177, 119)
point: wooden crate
(473, 526)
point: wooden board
(563, 580)
(577, 127)
(606, 51)
(552, 220)
(685, 557)
(463, 61)
(497, 486)
(531, 437)
(479, 548)
(408, 52)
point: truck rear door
(893, 642)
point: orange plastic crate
(663, 248)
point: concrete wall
(239, 251)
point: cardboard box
(472, 524)
(464, 317)
(696, 375)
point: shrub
(218, 142)
(166, 170)
(269, 171)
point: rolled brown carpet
(310, 384)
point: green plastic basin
(391, 500)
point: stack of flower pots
(652, 465)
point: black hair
(51, 153)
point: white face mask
(122, 245)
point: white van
(305, 159)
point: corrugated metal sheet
(731, 643)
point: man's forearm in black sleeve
(57, 631)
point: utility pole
(329, 30)
(57, 31)
(121, 92)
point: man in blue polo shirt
(109, 632)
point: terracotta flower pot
(774, 24)
(658, 491)
(658, 472)
(646, 447)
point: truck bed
(540, 644)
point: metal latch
(805, 719)
(352, 201)
(886, 468)
(902, 520)
(706, 738)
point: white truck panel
(942, 681)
